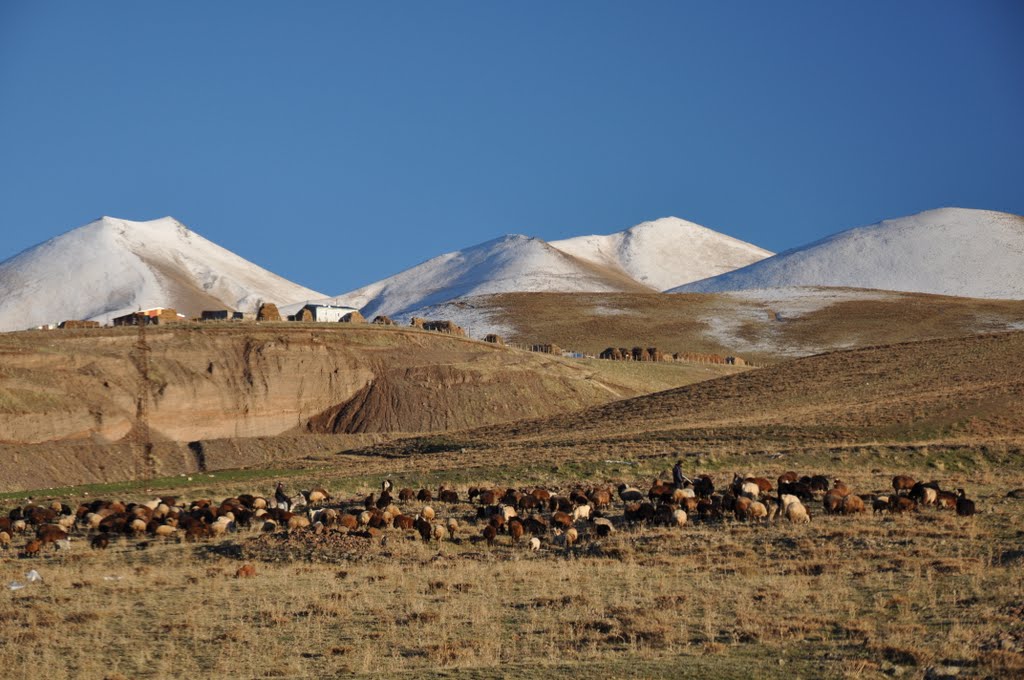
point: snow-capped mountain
(111, 267)
(510, 263)
(648, 257)
(665, 253)
(949, 251)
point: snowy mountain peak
(947, 251)
(113, 266)
(666, 252)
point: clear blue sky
(336, 143)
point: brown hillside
(964, 389)
(763, 326)
(221, 381)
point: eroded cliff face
(221, 381)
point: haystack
(353, 317)
(268, 312)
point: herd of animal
(528, 516)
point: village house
(225, 315)
(155, 316)
(327, 313)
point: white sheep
(750, 490)
(796, 512)
(679, 517)
(534, 544)
(582, 512)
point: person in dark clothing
(678, 478)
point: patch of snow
(761, 313)
(477, 321)
(950, 251)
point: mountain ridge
(947, 251)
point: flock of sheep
(527, 516)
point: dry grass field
(922, 595)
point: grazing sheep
(32, 548)
(100, 542)
(489, 533)
(796, 513)
(832, 503)
(757, 511)
(439, 532)
(600, 498)
(316, 496)
(561, 519)
(852, 504)
(406, 495)
(603, 526)
(880, 504)
(427, 513)
(571, 536)
(507, 512)
(581, 512)
(245, 571)
(902, 483)
(453, 526)
(165, 531)
(679, 517)
(630, 494)
(741, 505)
(703, 486)
(516, 530)
(424, 496)
(964, 506)
(901, 504)
(534, 544)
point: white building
(331, 313)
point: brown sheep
(406, 495)
(832, 503)
(403, 522)
(516, 530)
(600, 498)
(489, 534)
(561, 519)
(245, 571)
(901, 504)
(33, 547)
(541, 495)
(788, 478)
(902, 483)
(51, 533)
(424, 496)
(852, 504)
(100, 542)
